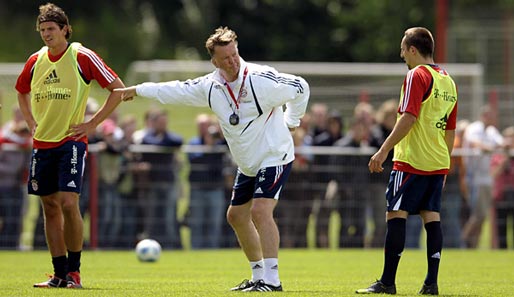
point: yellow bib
(424, 147)
(58, 94)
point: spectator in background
(325, 171)
(92, 138)
(229, 173)
(207, 199)
(12, 131)
(333, 132)
(318, 120)
(481, 135)
(353, 178)
(365, 113)
(502, 172)
(16, 131)
(15, 142)
(126, 184)
(374, 134)
(455, 193)
(141, 169)
(385, 118)
(159, 204)
(293, 213)
(149, 119)
(293, 224)
(109, 166)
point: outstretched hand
(126, 94)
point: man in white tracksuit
(248, 100)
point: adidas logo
(257, 266)
(258, 191)
(71, 184)
(52, 78)
(436, 255)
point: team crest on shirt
(262, 175)
(244, 95)
(34, 185)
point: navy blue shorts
(413, 192)
(57, 169)
(268, 183)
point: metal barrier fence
(330, 200)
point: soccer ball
(148, 250)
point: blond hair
(221, 37)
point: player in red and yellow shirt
(423, 139)
(52, 93)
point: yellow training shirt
(58, 94)
(424, 147)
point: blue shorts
(268, 183)
(57, 169)
(413, 192)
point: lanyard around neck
(236, 101)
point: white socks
(267, 270)
(257, 268)
(271, 272)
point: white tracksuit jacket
(262, 138)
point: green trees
(289, 30)
(293, 30)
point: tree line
(122, 31)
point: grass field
(303, 273)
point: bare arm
(449, 138)
(400, 130)
(127, 93)
(26, 110)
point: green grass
(303, 273)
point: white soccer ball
(148, 250)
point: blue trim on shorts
(413, 192)
(268, 183)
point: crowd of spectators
(139, 182)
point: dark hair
(421, 39)
(53, 13)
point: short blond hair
(221, 37)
